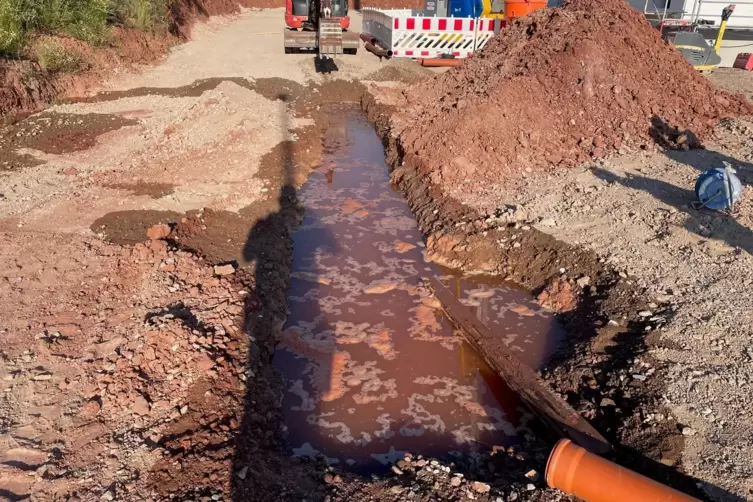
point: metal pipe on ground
(591, 478)
(368, 38)
(437, 62)
(378, 51)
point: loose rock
(221, 270)
(159, 231)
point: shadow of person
(324, 373)
(271, 248)
(260, 468)
(684, 146)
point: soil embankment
(31, 82)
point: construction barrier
(487, 28)
(409, 34)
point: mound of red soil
(557, 88)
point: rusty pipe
(378, 51)
(368, 38)
(440, 62)
(591, 478)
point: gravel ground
(695, 267)
(171, 139)
(733, 80)
(247, 46)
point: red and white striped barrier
(430, 37)
(408, 34)
(487, 28)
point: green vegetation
(147, 15)
(11, 28)
(86, 20)
(55, 58)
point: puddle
(372, 367)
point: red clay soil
(558, 88)
(27, 87)
(18, 93)
(186, 12)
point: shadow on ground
(705, 223)
(684, 146)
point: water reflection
(373, 368)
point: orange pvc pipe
(440, 62)
(591, 478)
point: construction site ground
(135, 357)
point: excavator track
(330, 37)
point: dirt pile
(557, 88)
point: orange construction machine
(320, 25)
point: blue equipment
(465, 8)
(718, 188)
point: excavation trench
(372, 368)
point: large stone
(224, 269)
(159, 231)
(140, 406)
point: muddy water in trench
(372, 367)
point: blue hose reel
(718, 189)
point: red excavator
(319, 25)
